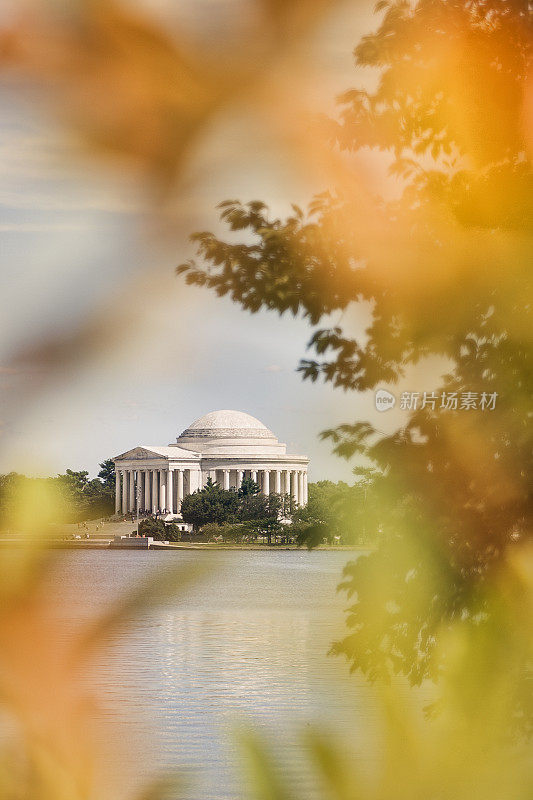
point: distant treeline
(336, 512)
(340, 513)
(71, 497)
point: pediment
(140, 454)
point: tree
(70, 497)
(153, 527)
(310, 534)
(247, 488)
(173, 532)
(107, 475)
(228, 531)
(211, 504)
(453, 485)
(89, 499)
(245, 511)
(9, 487)
(262, 513)
(337, 512)
(159, 531)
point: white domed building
(225, 446)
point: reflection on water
(249, 643)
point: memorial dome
(226, 423)
(220, 430)
(225, 446)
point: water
(247, 645)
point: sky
(78, 245)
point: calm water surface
(246, 645)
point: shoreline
(101, 534)
(104, 544)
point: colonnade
(150, 489)
(164, 489)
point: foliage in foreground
(440, 256)
(448, 270)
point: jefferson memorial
(225, 446)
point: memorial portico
(226, 446)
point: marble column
(294, 479)
(139, 493)
(147, 479)
(162, 489)
(277, 484)
(117, 491)
(253, 474)
(197, 478)
(131, 503)
(306, 495)
(170, 492)
(180, 489)
(154, 490)
(226, 479)
(126, 490)
(124, 476)
(287, 482)
(301, 488)
(240, 475)
(266, 482)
